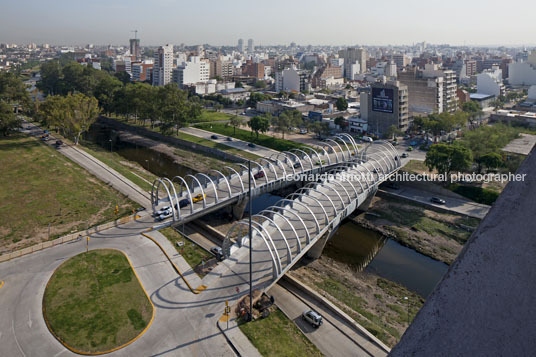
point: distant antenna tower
(135, 34)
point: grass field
(264, 140)
(40, 187)
(94, 302)
(276, 335)
(213, 144)
(209, 115)
(193, 254)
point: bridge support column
(316, 250)
(239, 208)
(366, 204)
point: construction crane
(135, 34)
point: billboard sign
(382, 100)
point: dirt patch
(375, 303)
(440, 236)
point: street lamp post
(407, 300)
(110, 140)
(250, 245)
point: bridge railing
(288, 229)
(217, 187)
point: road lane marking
(14, 335)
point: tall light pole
(250, 245)
(407, 300)
(110, 140)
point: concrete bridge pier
(316, 250)
(366, 204)
(239, 208)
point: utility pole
(250, 245)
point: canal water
(159, 164)
(365, 249)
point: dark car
(259, 175)
(296, 165)
(183, 203)
(437, 200)
(229, 139)
(251, 145)
(59, 143)
(214, 137)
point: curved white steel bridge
(275, 172)
(284, 232)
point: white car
(163, 210)
(312, 317)
(164, 215)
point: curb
(228, 339)
(115, 348)
(330, 306)
(197, 290)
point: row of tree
(13, 94)
(168, 106)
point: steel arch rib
(262, 169)
(289, 252)
(290, 224)
(381, 168)
(169, 196)
(374, 157)
(349, 152)
(213, 185)
(340, 148)
(326, 154)
(292, 162)
(237, 174)
(201, 188)
(187, 190)
(352, 141)
(271, 166)
(282, 166)
(307, 155)
(351, 184)
(265, 243)
(292, 211)
(323, 194)
(252, 176)
(226, 180)
(261, 230)
(328, 184)
(304, 206)
(317, 156)
(173, 209)
(314, 199)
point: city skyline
(305, 23)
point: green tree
(491, 161)
(447, 158)
(51, 78)
(54, 111)
(282, 123)
(321, 129)
(9, 122)
(341, 104)
(175, 107)
(105, 91)
(259, 124)
(235, 122)
(13, 90)
(339, 121)
(84, 111)
(260, 84)
(393, 131)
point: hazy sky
(222, 22)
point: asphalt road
(236, 143)
(328, 338)
(455, 205)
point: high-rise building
(253, 69)
(401, 60)
(251, 47)
(163, 63)
(220, 68)
(135, 48)
(355, 61)
(240, 46)
(387, 105)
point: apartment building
(195, 70)
(490, 82)
(355, 61)
(292, 80)
(163, 65)
(387, 105)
